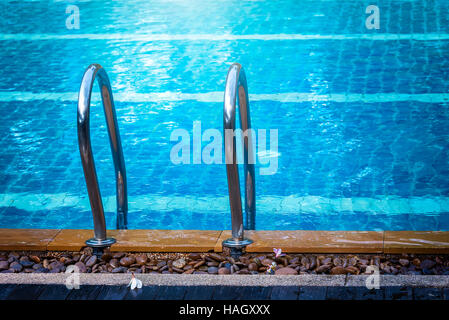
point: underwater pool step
(295, 241)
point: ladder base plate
(100, 243)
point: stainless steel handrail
(96, 71)
(236, 86)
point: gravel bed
(214, 263)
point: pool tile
(416, 242)
(26, 239)
(312, 241)
(166, 240)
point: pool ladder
(236, 86)
(95, 71)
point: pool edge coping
(434, 281)
(292, 241)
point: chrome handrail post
(95, 71)
(236, 86)
(248, 153)
(116, 150)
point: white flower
(271, 269)
(135, 283)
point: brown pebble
(198, 264)
(213, 264)
(35, 259)
(189, 271)
(224, 271)
(216, 257)
(141, 259)
(14, 255)
(267, 262)
(114, 263)
(252, 267)
(324, 268)
(81, 266)
(427, 264)
(313, 263)
(338, 270)
(188, 267)
(244, 260)
(106, 257)
(231, 260)
(352, 270)
(243, 271)
(305, 262)
(286, 271)
(194, 256)
(127, 261)
(203, 268)
(119, 270)
(177, 270)
(91, 261)
(179, 263)
(337, 262)
(164, 268)
(258, 262)
(4, 265)
(65, 260)
(118, 255)
(88, 251)
(363, 262)
(404, 262)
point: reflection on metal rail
(96, 71)
(236, 86)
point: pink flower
(278, 252)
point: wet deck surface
(299, 241)
(60, 292)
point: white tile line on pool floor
(150, 37)
(430, 281)
(217, 96)
(206, 204)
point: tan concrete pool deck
(295, 241)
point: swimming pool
(362, 115)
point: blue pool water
(362, 115)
